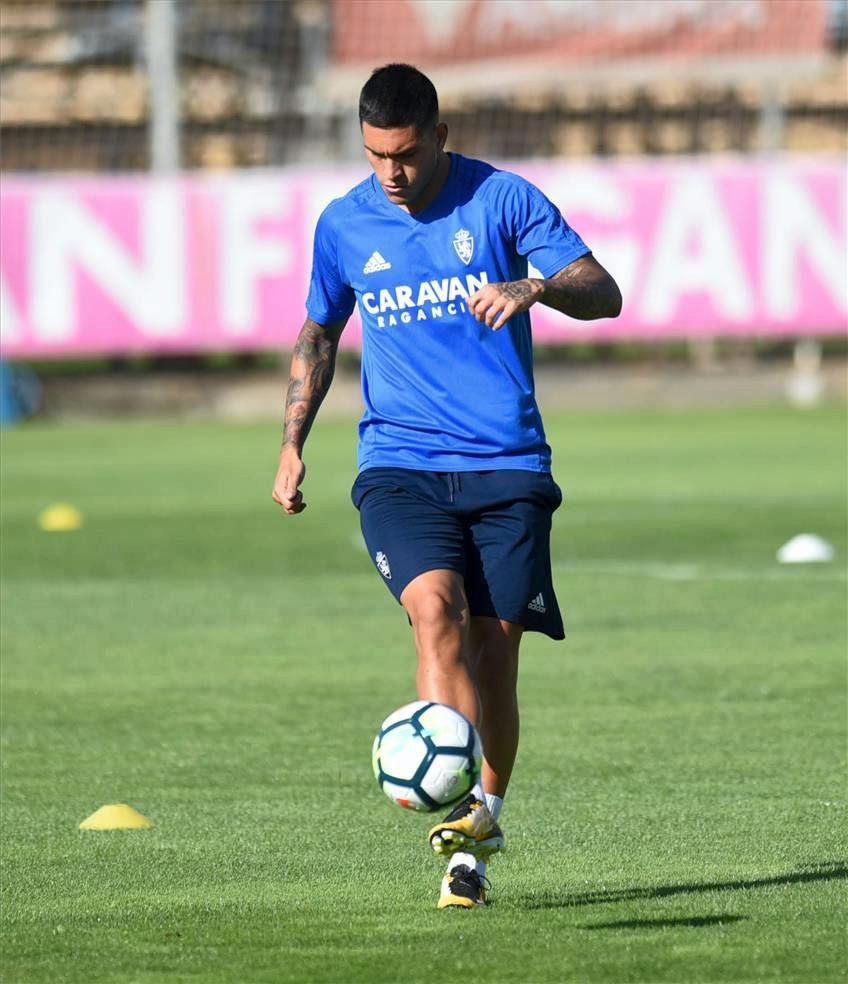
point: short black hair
(398, 95)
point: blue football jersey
(442, 391)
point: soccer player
(454, 489)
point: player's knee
(436, 611)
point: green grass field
(678, 811)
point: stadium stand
(267, 82)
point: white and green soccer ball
(426, 756)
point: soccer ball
(426, 756)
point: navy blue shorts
(491, 527)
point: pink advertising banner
(192, 264)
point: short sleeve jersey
(442, 391)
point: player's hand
(290, 474)
(495, 304)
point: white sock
(495, 804)
(460, 857)
(477, 792)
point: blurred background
(163, 164)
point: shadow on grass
(827, 871)
(693, 921)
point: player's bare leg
(493, 651)
(438, 610)
(493, 647)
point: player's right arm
(312, 366)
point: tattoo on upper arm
(584, 290)
(582, 272)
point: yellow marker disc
(60, 517)
(115, 816)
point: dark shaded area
(691, 922)
(826, 871)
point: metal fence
(124, 85)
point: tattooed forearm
(516, 290)
(312, 367)
(583, 290)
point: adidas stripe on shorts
(492, 527)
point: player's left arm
(583, 290)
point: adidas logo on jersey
(538, 604)
(376, 263)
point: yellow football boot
(470, 827)
(462, 888)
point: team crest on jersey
(383, 565)
(463, 243)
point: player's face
(405, 160)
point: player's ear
(441, 135)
